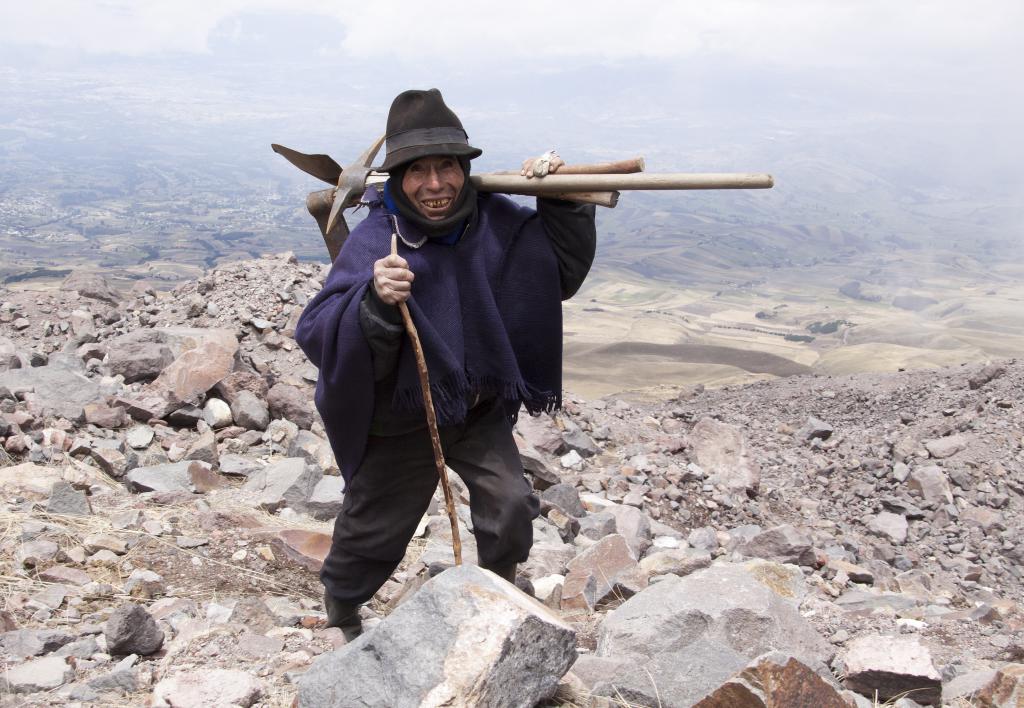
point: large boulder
(207, 356)
(91, 285)
(466, 638)
(687, 636)
(60, 390)
(721, 450)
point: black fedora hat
(420, 124)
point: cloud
(540, 33)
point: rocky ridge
(167, 487)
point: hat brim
(414, 152)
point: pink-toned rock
(29, 480)
(307, 548)
(931, 484)
(721, 450)
(890, 666)
(237, 381)
(65, 574)
(104, 416)
(203, 479)
(774, 681)
(607, 566)
(206, 358)
(941, 448)
(988, 520)
(1006, 690)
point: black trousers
(392, 488)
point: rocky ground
(166, 488)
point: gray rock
(238, 465)
(137, 361)
(931, 484)
(889, 525)
(677, 561)
(289, 482)
(314, 450)
(173, 476)
(204, 449)
(80, 649)
(33, 642)
(565, 497)
(605, 568)
(543, 474)
(597, 526)
(132, 630)
(65, 499)
(989, 373)
(704, 539)
(43, 674)
(125, 680)
(814, 429)
(892, 666)
(541, 433)
(721, 450)
(465, 638)
(327, 497)
(249, 411)
(59, 389)
(783, 544)
(292, 403)
(721, 618)
(633, 525)
(208, 688)
(582, 443)
(139, 437)
(942, 448)
(91, 285)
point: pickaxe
(597, 184)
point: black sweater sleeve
(572, 231)
(382, 326)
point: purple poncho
(488, 312)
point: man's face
(432, 184)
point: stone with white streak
(891, 666)
(466, 638)
(208, 688)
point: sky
(910, 93)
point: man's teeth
(437, 203)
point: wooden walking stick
(428, 403)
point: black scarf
(463, 208)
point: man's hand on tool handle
(392, 279)
(540, 166)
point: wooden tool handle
(428, 404)
(619, 167)
(605, 199)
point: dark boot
(505, 572)
(343, 616)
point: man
(483, 279)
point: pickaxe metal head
(326, 205)
(352, 182)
